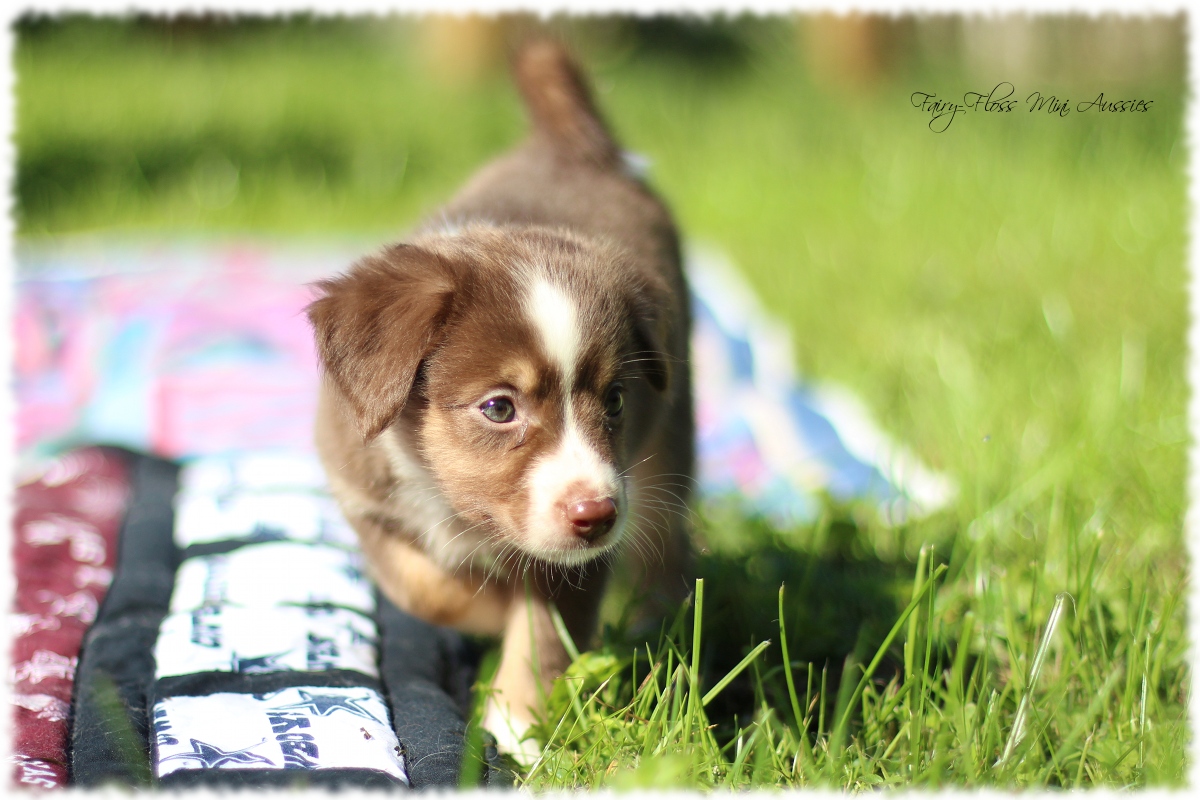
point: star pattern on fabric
(266, 663)
(326, 704)
(210, 756)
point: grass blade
(733, 673)
(787, 664)
(1039, 658)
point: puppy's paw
(512, 733)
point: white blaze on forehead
(556, 319)
(573, 469)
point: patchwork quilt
(239, 643)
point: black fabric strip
(279, 778)
(428, 671)
(110, 728)
(413, 660)
(204, 683)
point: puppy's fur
(506, 396)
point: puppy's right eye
(499, 409)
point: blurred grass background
(1008, 296)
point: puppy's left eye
(499, 409)
(614, 402)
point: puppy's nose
(591, 519)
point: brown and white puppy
(506, 397)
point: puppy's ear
(376, 323)
(651, 310)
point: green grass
(1008, 297)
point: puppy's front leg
(533, 654)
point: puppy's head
(526, 365)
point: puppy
(506, 398)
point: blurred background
(1007, 297)
(997, 292)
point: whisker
(626, 471)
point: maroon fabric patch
(65, 528)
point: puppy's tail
(560, 104)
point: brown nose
(591, 519)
